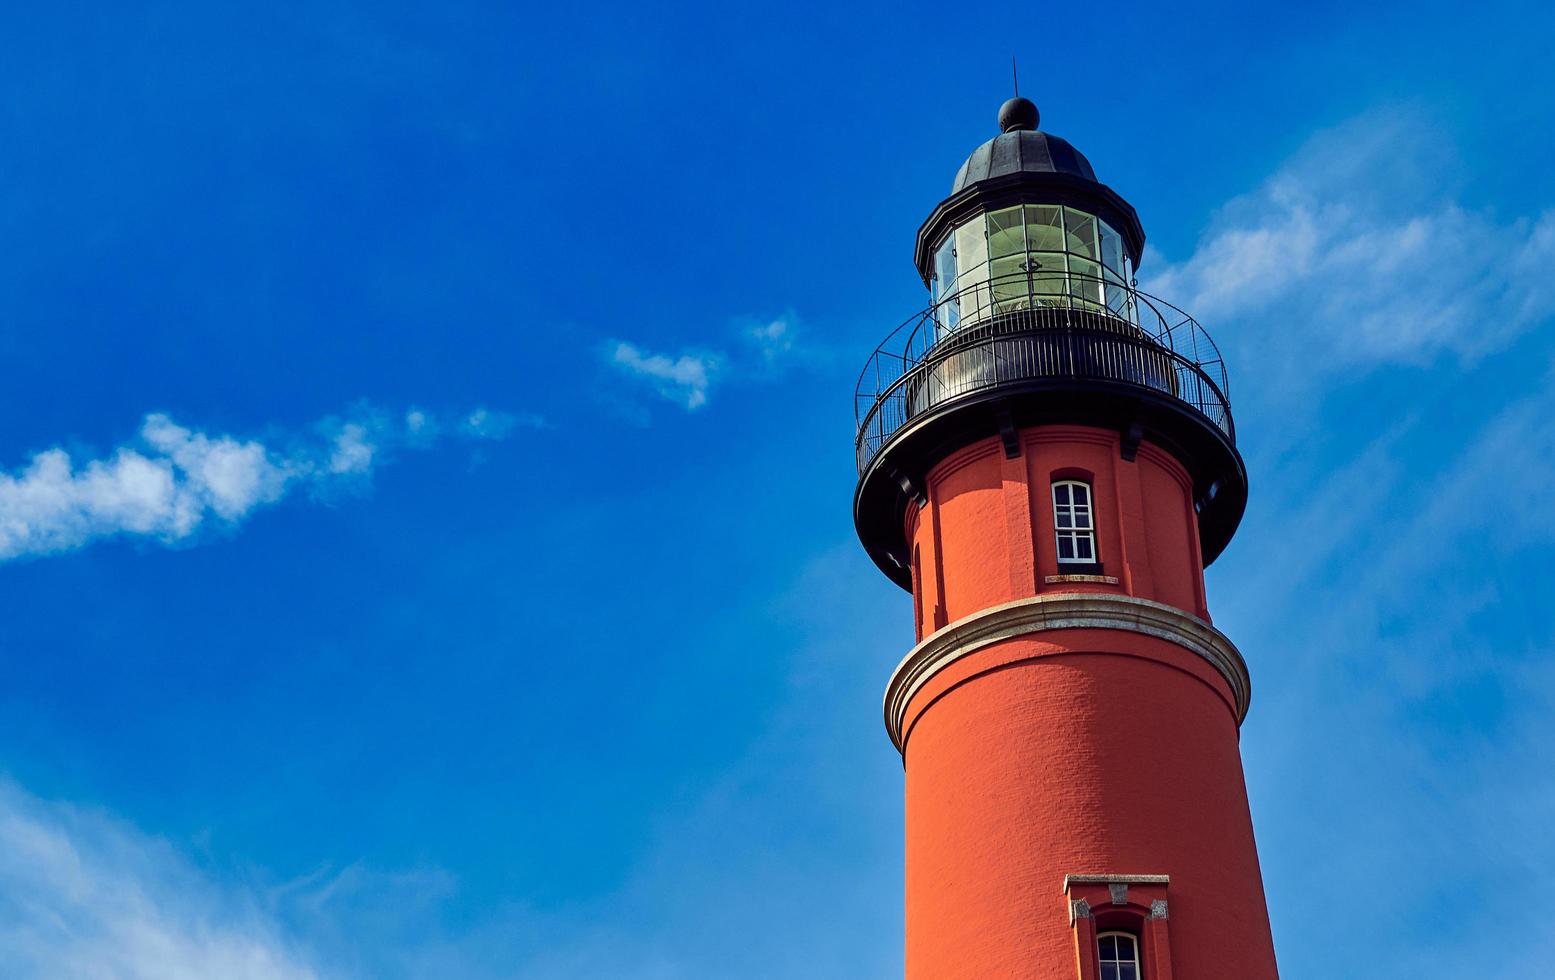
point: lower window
(1119, 955)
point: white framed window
(1119, 956)
(1074, 522)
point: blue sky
(425, 544)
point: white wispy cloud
(1392, 611)
(172, 483)
(774, 339)
(85, 897)
(1356, 252)
(484, 423)
(1388, 345)
(684, 378)
(761, 348)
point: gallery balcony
(1039, 348)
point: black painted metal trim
(880, 503)
(1027, 187)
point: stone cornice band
(1071, 880)
(1041, 613)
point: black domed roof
(1023, 165)
(1022, 150)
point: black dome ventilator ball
(1018, 113)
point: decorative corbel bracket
(910, 487)
(1132, 436)
(1007, 434)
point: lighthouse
(1047, 462)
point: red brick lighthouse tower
(1047, 462)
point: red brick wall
(986, 535)
(1077, 751)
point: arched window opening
(1118, 953)
(1074, 522)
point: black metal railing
(1032, 326)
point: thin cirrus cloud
(86, 895)
(687, 378)
(684, 379)
(172, 483)
(1356, 284)
(774, 339)
(1354, 251)
(83, 895)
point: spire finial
(1017, 113)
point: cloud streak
(1392, 351)
(1405, 641)
(172, 483)
(688, 378)
(683, 379)
(774, 339)
(1352, 250)
(83, 896)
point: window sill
(1091, 579)
(1080, 568)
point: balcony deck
(1036, 349)
(1024, 329)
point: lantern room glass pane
(972, 267)
(1116, 296)
(1045, 265)
(971, 247)
(1111, 249)
(1084, 280)
(1044, 228)
(1049, 283)
(1046, 255)
(1011, 290)
(947, 311)
(1005, 234)
(1080, 233)
(945, 267)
